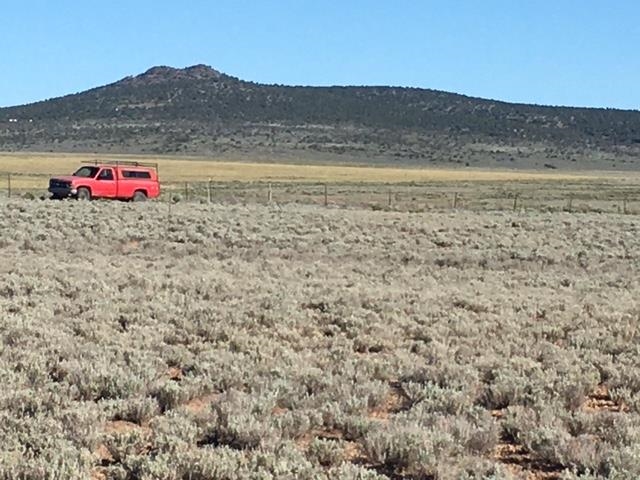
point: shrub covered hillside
(142, 341)
(200, 111)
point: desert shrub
(169, 395)
(27, 403)
(123, 445)
(571, 442)
(476, 430)
(239, 422)
(547, 442)
(572, 378)
(64, 463)
(474, 468)
(294, 424)
(191, 463)
(242, 432)
(520, 381)
(618, 430)
(174, 431)
(585, 453)
(348, 471)
(93, 381)
(326, 453)
(433, 398)
(623, 463)
(81, 425)
(137, 410)
(353, 427)
(407, 448)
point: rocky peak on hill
(201, 71)
(161, 74)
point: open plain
(32, 169)
(398, 188)
(209, 341)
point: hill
(200, 111)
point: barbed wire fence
(513, 195)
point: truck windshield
(87, 172)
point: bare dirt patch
(98, 473)
(199, 405)
(103, 455)
(277, 411)
(354, 453)
(395, 402)
(600, 401)
(175, 374)
(523, 464)
(123, 426)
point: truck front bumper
(62, 192)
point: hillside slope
(200, 111)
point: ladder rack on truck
(129, 163)
(121, 162)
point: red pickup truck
(118, 180)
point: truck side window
(106, 174)
(86, 172)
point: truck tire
(139, 196)
(84, 194)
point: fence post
(186, 191)
(326, 196)
(9, 185)
(269, 194)
(455, 200)
(389, 203)
(624, 205)
(515, 202)
(209, 191)
(570, 204)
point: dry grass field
(401, 189)
(181, 169)
(191, 341)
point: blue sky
(562, 52)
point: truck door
(106, 185)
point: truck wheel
(84, 194)
(139, 196)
